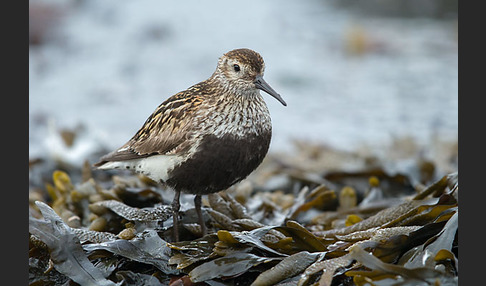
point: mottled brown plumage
(206, 138)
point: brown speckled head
(241, 70)
(240, 65)
(249, 58)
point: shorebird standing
(204, 139)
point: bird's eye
(236, 67)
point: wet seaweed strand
(376, 220)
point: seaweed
(65, 249)
(147, 247)
(225, 267)
(157, 213)
(365, 226)
(288, 267)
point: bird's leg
(197, 204)
(175, 215)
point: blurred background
(353, 72)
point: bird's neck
(234, 90)
(239, 111)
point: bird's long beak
(260, 83)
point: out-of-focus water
(347, 78)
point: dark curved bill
(260, 83)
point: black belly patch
(219, 163)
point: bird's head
(242, 70)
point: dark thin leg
(175, 215)
(197, 204)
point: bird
(206, 138)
